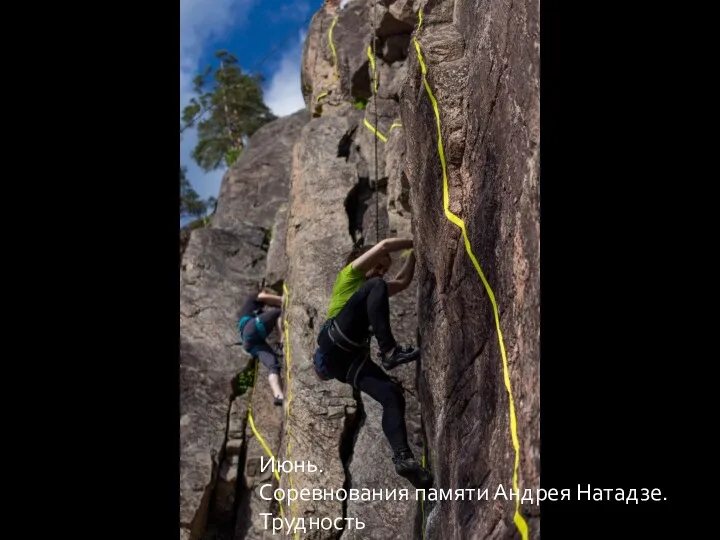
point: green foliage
(231, 156)
(244, 380)
(190, 202)
(196, 224)
(235, 109)
(360, 104)
(191, 205)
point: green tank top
(347, 282)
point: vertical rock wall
(482, 59)
(308, 188)
(219, 266)
(347, 189)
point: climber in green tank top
(348, 281)
(359, 308)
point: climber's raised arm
(281, 319)
(379, 252)
(270, 299)
(404, 277)
(358, 311)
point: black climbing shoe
(278, 401)
(408, 467)
(401, 355)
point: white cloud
(204, 20)
(284, 94)
(201, 21)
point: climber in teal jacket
(255, 323)
(359, 308)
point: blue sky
(249, 29)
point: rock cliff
(363, 163)
(482, 61)
(219, 452)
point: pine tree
(235, 109)
(191, 205)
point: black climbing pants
(372, 380)
(255, 339)
(368, 306)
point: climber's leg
(268, 358)
(373, 381)
(370, 307)
(274, 380)
(270, 319)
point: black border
(613, 336)
(125, 270)
(616, 356)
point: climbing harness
(339, 339)
(353, 370)
(251, 342)
(360, 352)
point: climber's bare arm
(270, 299)
(281, 335)
(404, 277)
(382, 249)
(281, 319)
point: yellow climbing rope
(257, 433)
(371, 57)
(289, 390)
(335, 61)
(518, 518)
(368, 125)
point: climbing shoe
(278, 401)
(401, 355)
(408, 467)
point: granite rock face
(256, 185)
(330, 425)
(277, 260)
(321, 415)
(219, 265)
(347, 186)
(483, 68)
(360, 164)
